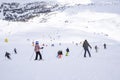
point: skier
(67, 51)
(59, 44)
(33, 43)
(37, 50)
(6, 40)
(96, 48)
(59, 54)
(7, 55)
(85, 46)
(52, 45)
(104, 46)
(15, 50)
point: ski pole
(31, 56)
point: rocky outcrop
(24, 12)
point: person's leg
(36, 56)
(66, 53)
(89, 52)
(40, 56)
(8, 56)
(96, 50)
(85, 53)
(58, 55)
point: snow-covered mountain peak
(73, 2)
(93, 18)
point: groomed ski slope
(101, 66)
(69, 27)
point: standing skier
(37, 50)
(96, 48)
(104, 46)
(67, 51)
(85, 46)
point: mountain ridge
(23, 12)
(18, 12)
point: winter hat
(37, 42)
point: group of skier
(37, 48)
(8, 55)
(86, 47)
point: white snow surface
(69, 27)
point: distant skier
(33, 43)
(52, 45)
(104, 46)
(7, 55)
(59, 54)
(67, 51)
(59, 44)
(76, 44)
(15, 50)
(85, 46)
(37, 50)
(96, 48)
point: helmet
(37, 42)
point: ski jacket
(37, 48)
(59, 52)
(86, 45)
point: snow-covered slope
(65, 27)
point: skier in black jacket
(59, 54)
(7, 55)
(15, 50)
(104, 46)
(85, 46)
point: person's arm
(89, 45)
(41, 47)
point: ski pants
(38, 54)
(87, 50)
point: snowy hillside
(66, 24)
(16, 11)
